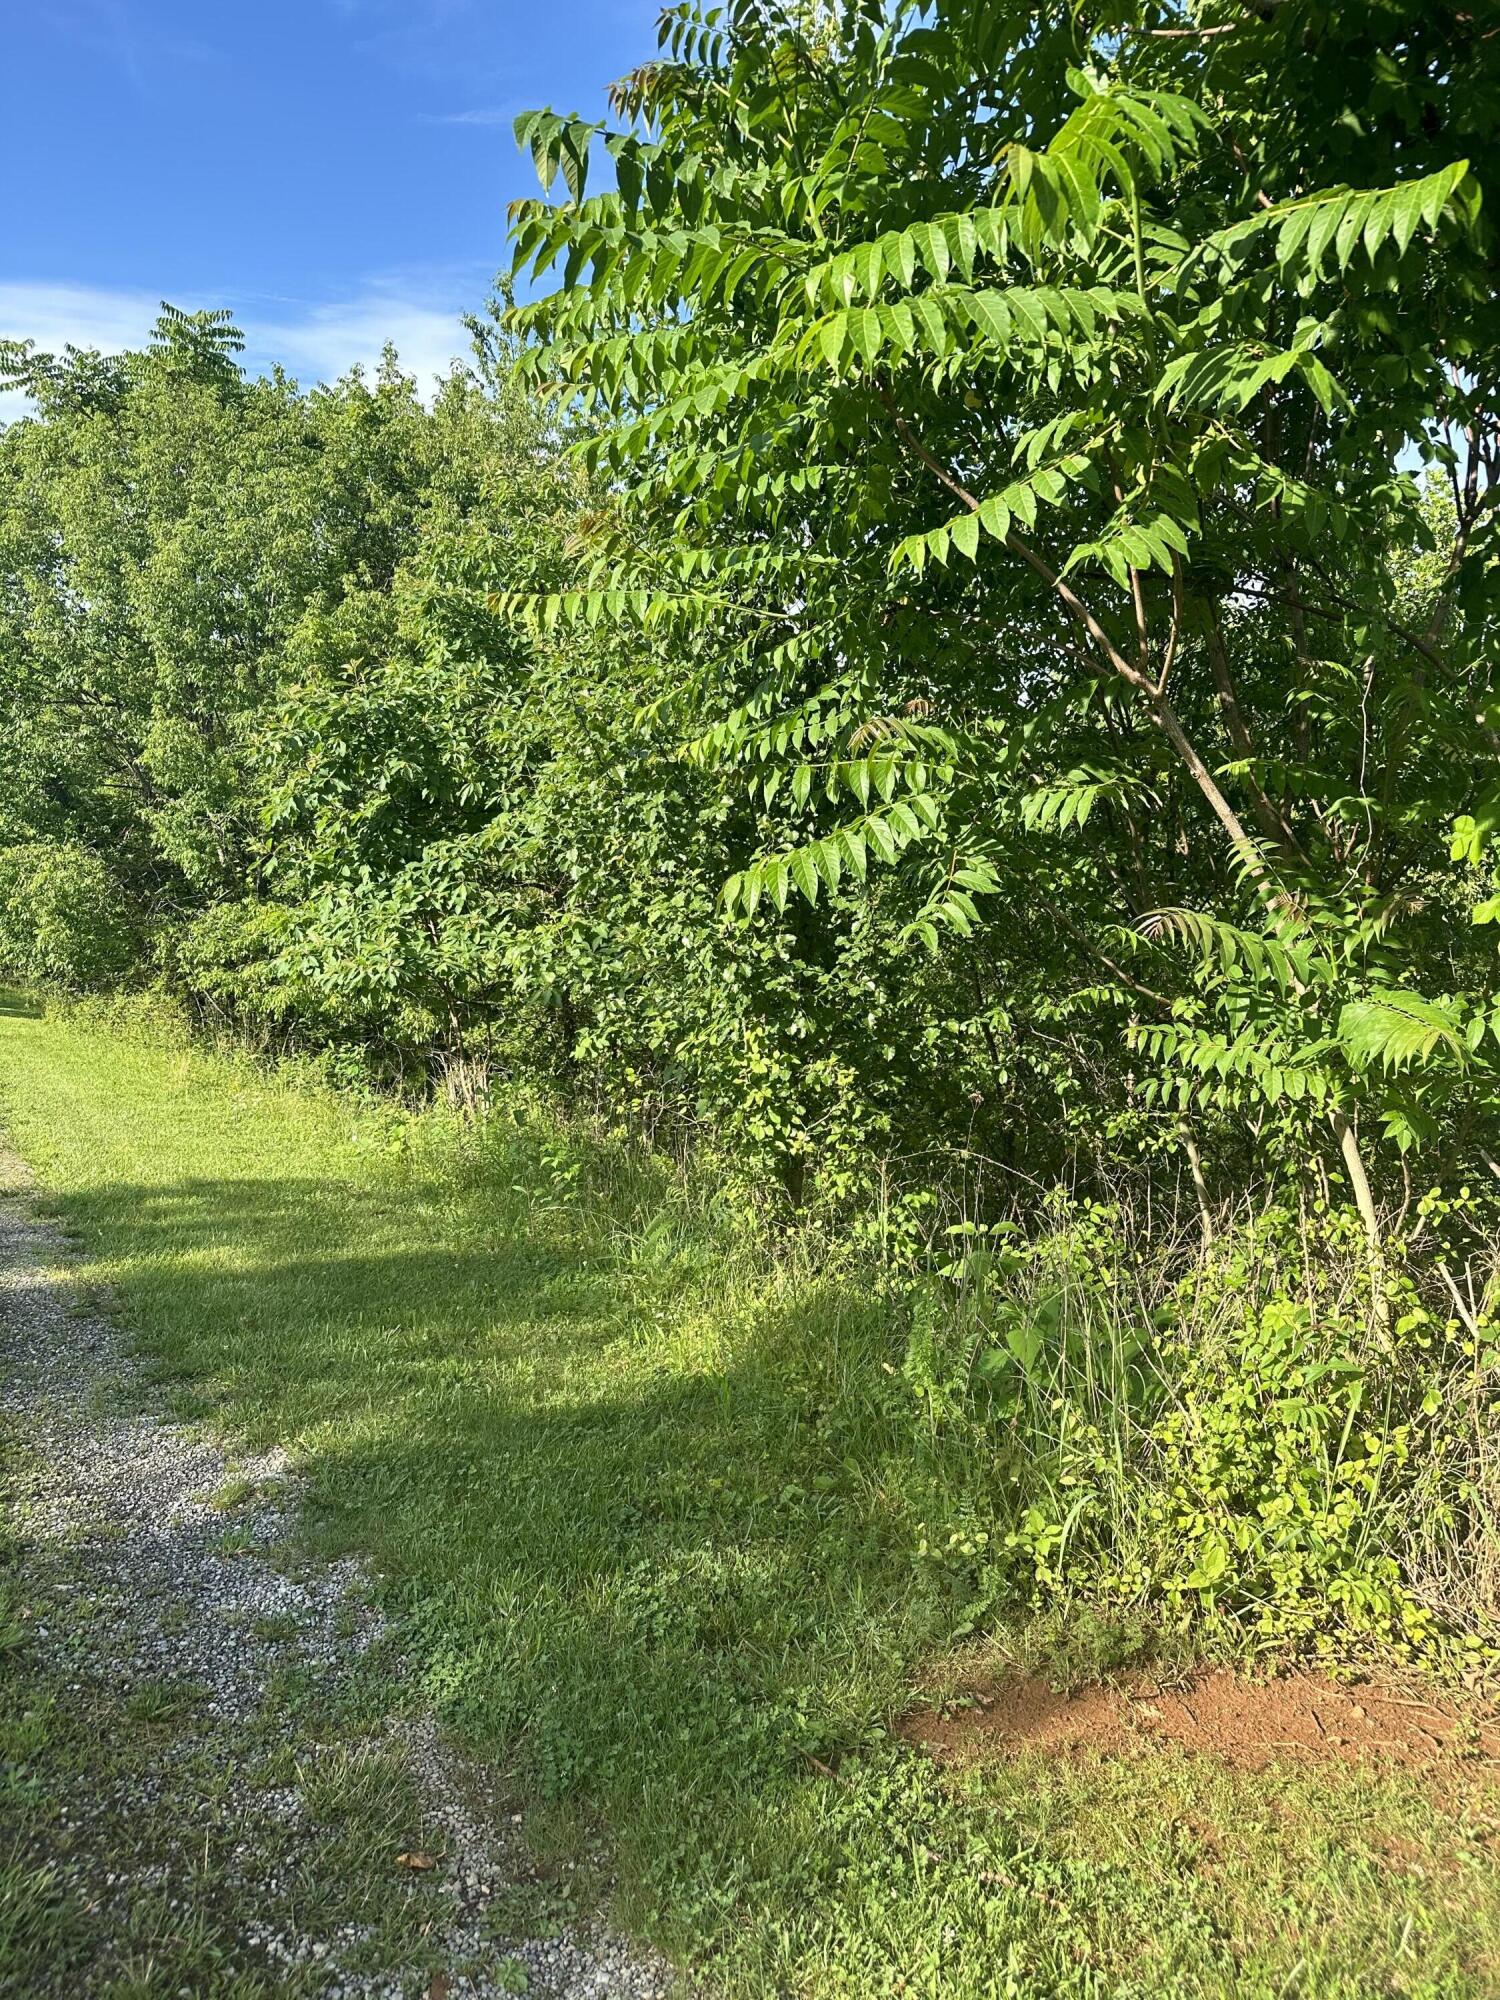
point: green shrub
(1250, 1444)
(64, 919)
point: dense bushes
(950, 663)
(64, 919)
(1230, 1437)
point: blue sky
(336, 171)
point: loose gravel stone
(159, 1587)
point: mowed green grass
(647, 1510)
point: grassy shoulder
(648, 1521)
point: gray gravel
(157, 1585)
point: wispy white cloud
(325, 341)
(104, 27)
(489, 114)
(442, 41)
(55, 316)
(113, 31)
(315, 341)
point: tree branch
(1162, 710)
(1273, 822)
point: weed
(34, 1914)
(161, 1704)
(276, 1627)
(237, 1541)
(362, 1782)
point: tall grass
(1230, 1435)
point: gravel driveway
(209, 1780)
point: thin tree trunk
(1170, 723)
(1200, 1186)
(1364, 1201)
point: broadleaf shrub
(65, 918)
(1239, 1443)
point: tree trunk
(1364, 1201)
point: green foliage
(942, 649)
(1060, 398)
(1229, 1447)
(940, 657)
(64, 918)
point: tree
(167, 530)
(1016, 424)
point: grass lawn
(647, 1514)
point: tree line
(956, 621)
(942, 653)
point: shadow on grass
(649, 1524)
(650, 1530)
(649, 1517)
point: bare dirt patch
(1245, 1723)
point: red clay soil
(1248, 1724)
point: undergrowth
(1238, 1440)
